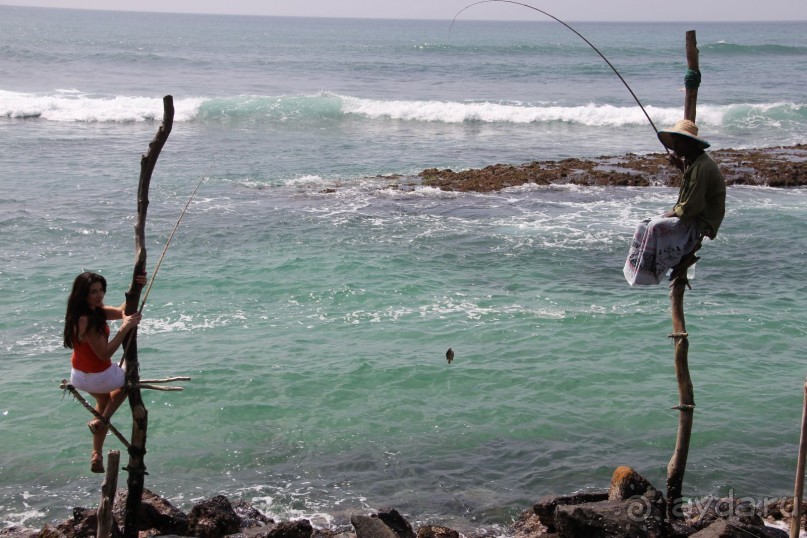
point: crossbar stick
(165, 380)
(67, 386)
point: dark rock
(155, 513)
(734, 528)
(250, 516)
(395, 521)
(84, 523)
(782, 510)
(546, 506)
(300, 528)
(529, 525)
(48, 531)
(289, 529)
(340, 532)
(213, 518)
(436, 531)
(371, 527)
(638, 517)
(709, 510)
(677, 528)
(626, 483)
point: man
(660, 243)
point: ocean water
(314, 285)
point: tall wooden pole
(137, 451)
(686, 395)
(693, 77)
(798, 493)
(686, 400)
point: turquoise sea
(312, 302)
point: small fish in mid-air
(450, 355)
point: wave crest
(74, 106)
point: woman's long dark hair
(77, 307)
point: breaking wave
(74, 106)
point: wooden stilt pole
(686, 395)
(798, 493)
(108, 489)
(137, 452)
(692, 80)
(686, 400)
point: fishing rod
(171, 236)
(589, 43)
(162, 256)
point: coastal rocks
(630, 508)
(781, 510)
(772, 167)
(734, 528)
(250, 516)
(156, 516)
(213, 518)
(300, 528)
(218, 518)
(395, 521)
(633, 508)
(389, 523)
(371, 527)
(625, 483)
(436, 531)
(611, 519)
(546, 506)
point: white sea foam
(19, 519)
(592, 114)
(74, 106)
(70, 105)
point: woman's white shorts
(99, 383)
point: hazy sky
(571, 10)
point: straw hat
(685, 128)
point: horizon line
(469, 19)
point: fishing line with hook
(589, 43)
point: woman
(86, 332)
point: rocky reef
(771, 167)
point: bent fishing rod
(589, 43)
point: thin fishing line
(590, 44)
(162, 256)
(171, 236)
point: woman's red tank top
(85, 359)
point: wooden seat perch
(687, 260)
(143, 384)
